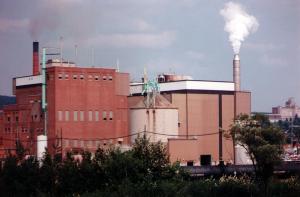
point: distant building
(289, 111)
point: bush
(200, 188)
(285, 188)
(236, 187)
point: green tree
(262, 141)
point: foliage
(236, 186)
(143, 171)
(262, 141)
(285, 188)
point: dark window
(8, 119)
(205, 160)
(190, 163)
(17, 119)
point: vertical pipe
(220, 131)
(44, 103)
(187, 114)
(236, 72)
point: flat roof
(28, 80)
(187, 85)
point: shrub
(285, 188)
(236, 186)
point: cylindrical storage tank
(41, 146)
(159, 124)
(241, 156)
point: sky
(166, 36)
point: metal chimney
(236, 72)
(35, 59)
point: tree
(262, 141)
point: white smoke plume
(238, 23)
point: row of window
(86, 143)
(80, 115)
(23, 130)
(81, 76)
(16, 118)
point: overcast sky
(182, 37)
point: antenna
(145, 75)
(61, 49)
(76, 46)
(93, 57)
(118, 68)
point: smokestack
(35, 59)
(236, 72)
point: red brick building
(89, 104)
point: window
(81, 144)
(67, 114)
(66, 143)
(104, 115)
(17, 119)
(97, 143)
(75, 115)
(90, 116)
(66, 76)
(60, 76)
(96, 116)
(60, 115)
(75, 143)
(81, 115)
(81, 77)
(74, 76)
(110, 78)
(8, 119)
(96, 78)
(90, 77)
(88, 143)
(111, 115)
(104, 77)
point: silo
(159, 122)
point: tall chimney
(35, 59)
(236, 72)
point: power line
(113, 138)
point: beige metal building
(205, 108)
